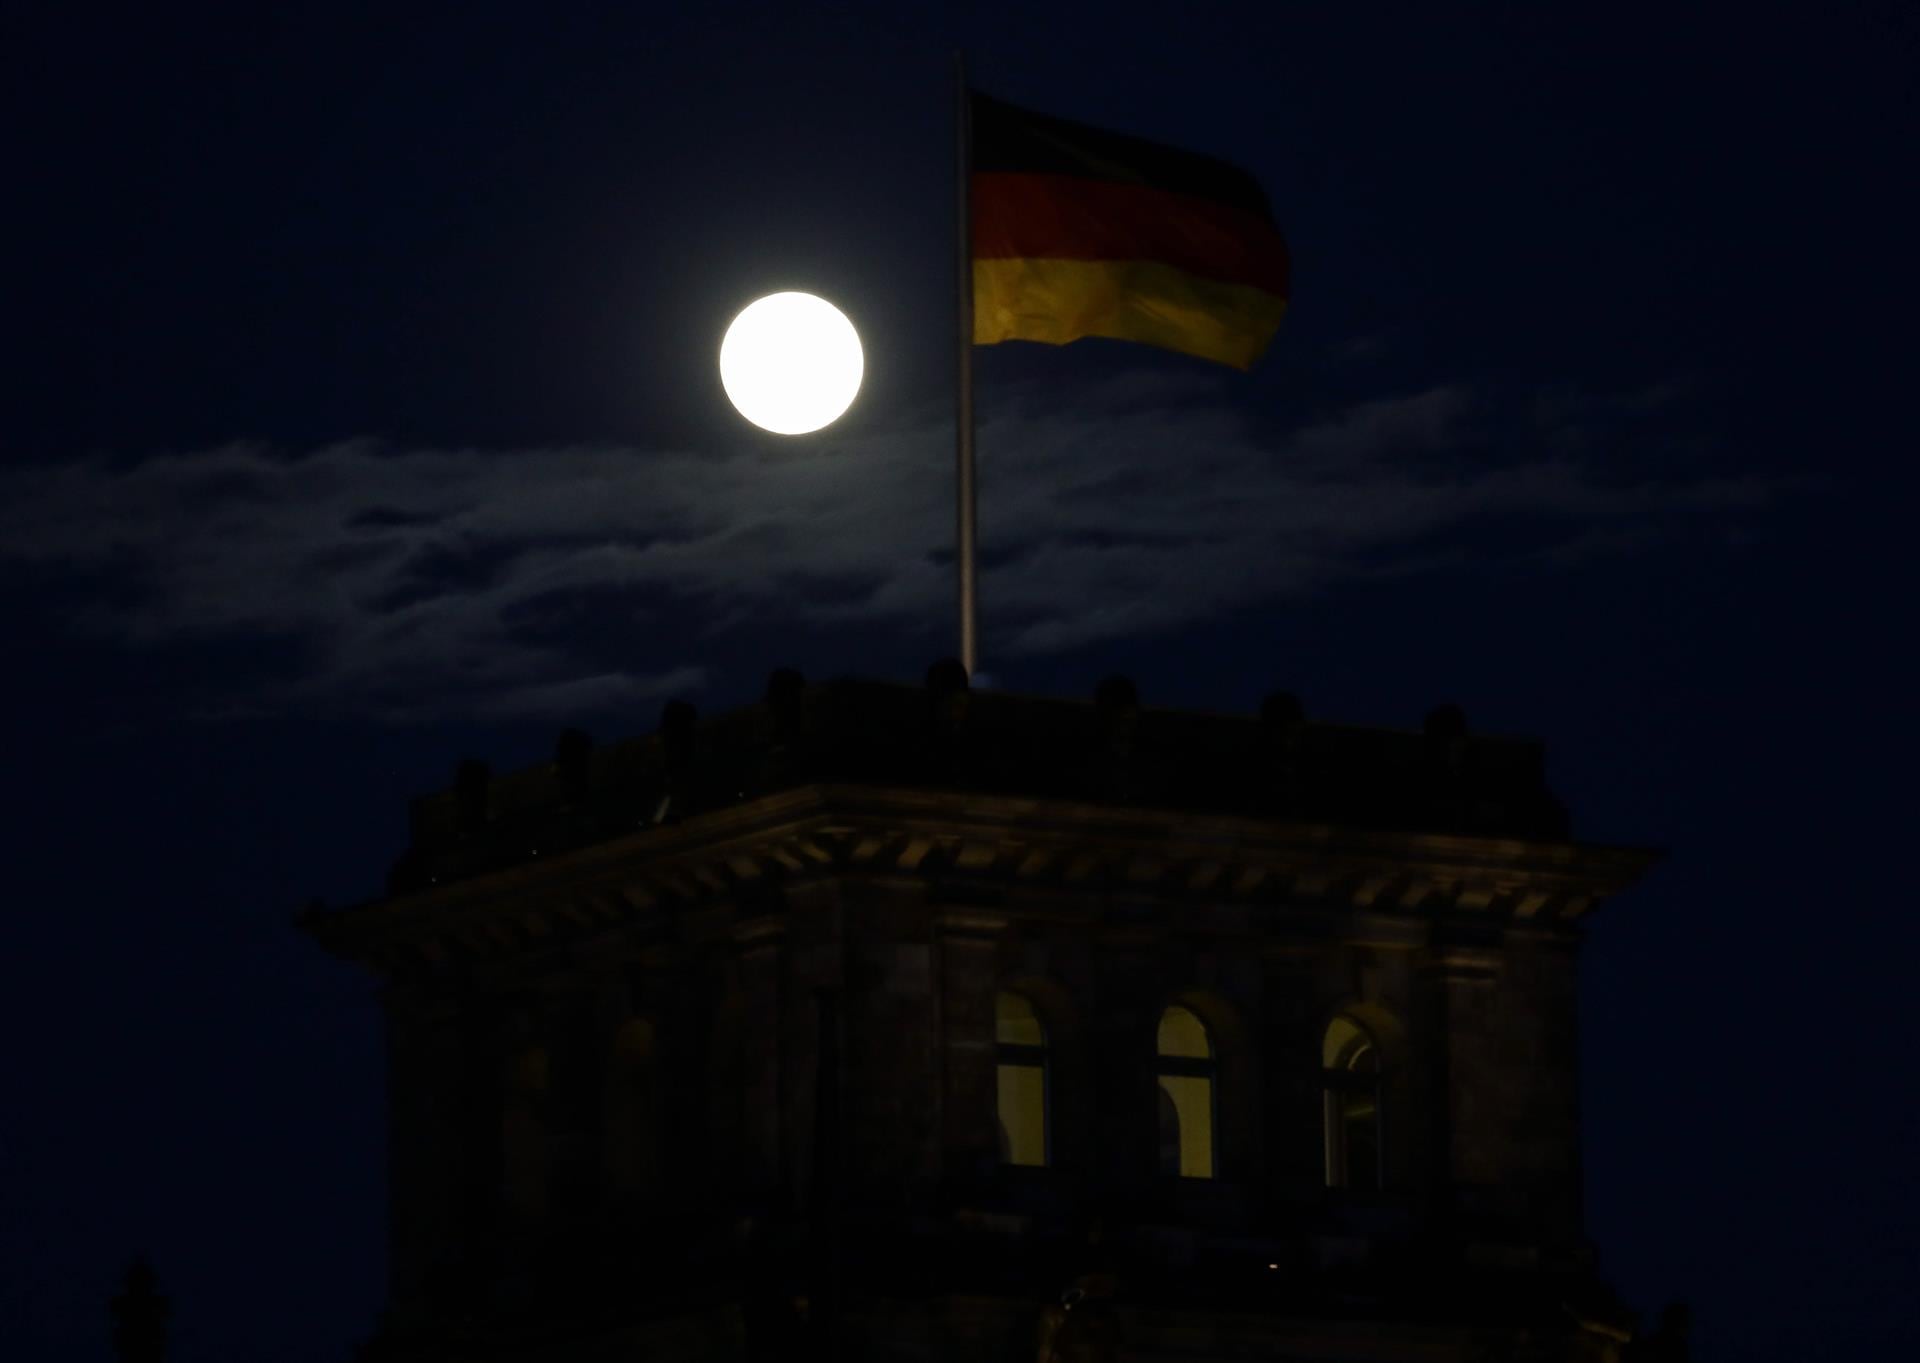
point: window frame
(1023, 1055)
(1191, 1067)
(1335, 1083)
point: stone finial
(1446, 730)
(1669, 1340)
(140, 1316)
(1119, 704)
(1282, 721)
(1117, 692)
(1083, 1327)
(573, 758)
(786, 688)
(470, 781)
(1283, 709)
(677, 721)
(947, 675)
(948, 694)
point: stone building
(882, 1022)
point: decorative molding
(1029, 852)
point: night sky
(359, 414)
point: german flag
(1082, 232)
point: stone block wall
(1479, 1086)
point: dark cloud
(1138, 505)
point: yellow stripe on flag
(1057, 301)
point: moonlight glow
(791, 363)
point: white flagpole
(963, 391)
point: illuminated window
(1021, 1043)
(1350, 1079)
(1186, 1070)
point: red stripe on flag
(1058, 217)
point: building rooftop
(1109, 750)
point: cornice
(1031, 848)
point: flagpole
(963, 389)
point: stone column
(1132, 987)
(967, 944)
(1465, 1082)
(762, 946)
(427, 1147)
(1295, 1128)
(1507, 1084)
(1541, 1055)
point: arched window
(1021, 1049)
(1186, 1071)
(1350, 1078)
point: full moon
(791, 363)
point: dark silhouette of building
(140, 1316)
(882, 1022)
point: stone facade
(693, 1044)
